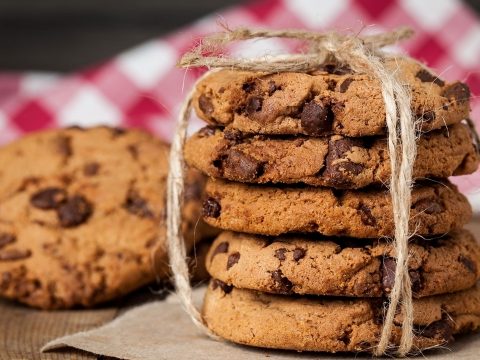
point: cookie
(82, 216)
(436, 209)
(332, 100)
(332, 324)
(301, 264)
(336, 161)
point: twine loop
(362, 54)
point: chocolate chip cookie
(82, 215)
(302, 264)
(258, 209)
(333, 100)
(332, 324)
(336, 161)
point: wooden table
(23, 331)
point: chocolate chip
(133, 150)
(117, 131)
(14, 254)
(240, 166)
(272, 87)
(388, 273)
(207, 131)
(316, 119)
(91, 169)
(429, 206)
(459, 91)
(334, 170)
(74, 211)
(137, 205)
(64, 146)
(441, 329)
(345, 84)
(282, 284)
(331, 84)
(428, 116)
(336, 69)
(222, 248)
(425, 76)
(233, 135)
(366, 215)
(254, 104)
(227, 289)
(233, 259)
(48, 198)
(205, 104)
(249, 86)
(211, 208)
(416, 280)
(280, 254)
(221, 90)
(299, 254)
(467, 262)
(6, 239)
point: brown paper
(161, 330)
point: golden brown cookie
(302, 264)
(332, 100)
(335, 161)
(258, 209)
(332, 324)
(82, 215)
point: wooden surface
(24, 331)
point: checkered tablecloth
(143, 88)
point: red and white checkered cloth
(143, 88)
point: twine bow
(362, 54)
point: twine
(362, 54)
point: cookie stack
(298, 167)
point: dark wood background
(64, 35)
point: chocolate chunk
(345, 84)
(272, 87)
(345, 338)
(429, 206)
(207, 131)
(441, 329)
(240, 166)
(233, 259)
(91, 169)
(280, 254)
(416, 280)
(366, 215)
(14, 254)
(249, 86)
(316, 119)
(222, 248)
(299, 254)
(459, 91)
(227, 289)
(388, 273)
(6, 239)
(211, 208)
(74, 211)
(331, 84)
(233, 135)
(48, 198)
(425, 76)
(205, 104)
(254, 104)
(466, 261)
(428, 116)
(282, 284)
(137, 205)
(64, 146)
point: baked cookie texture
(332, 100)
(302, 264)
(334, 161)
(332, 324)
(82, 216)
(258, 209)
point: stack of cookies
(298, 166)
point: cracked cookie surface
(259, 209)
(330, 101)
(302, 264)
(335, 161)
(332, 324)
(82, 215)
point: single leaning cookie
(301, 264)
(268, 210)
(333, 100)
(337, 161)
(332, 324)
(82, 216)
